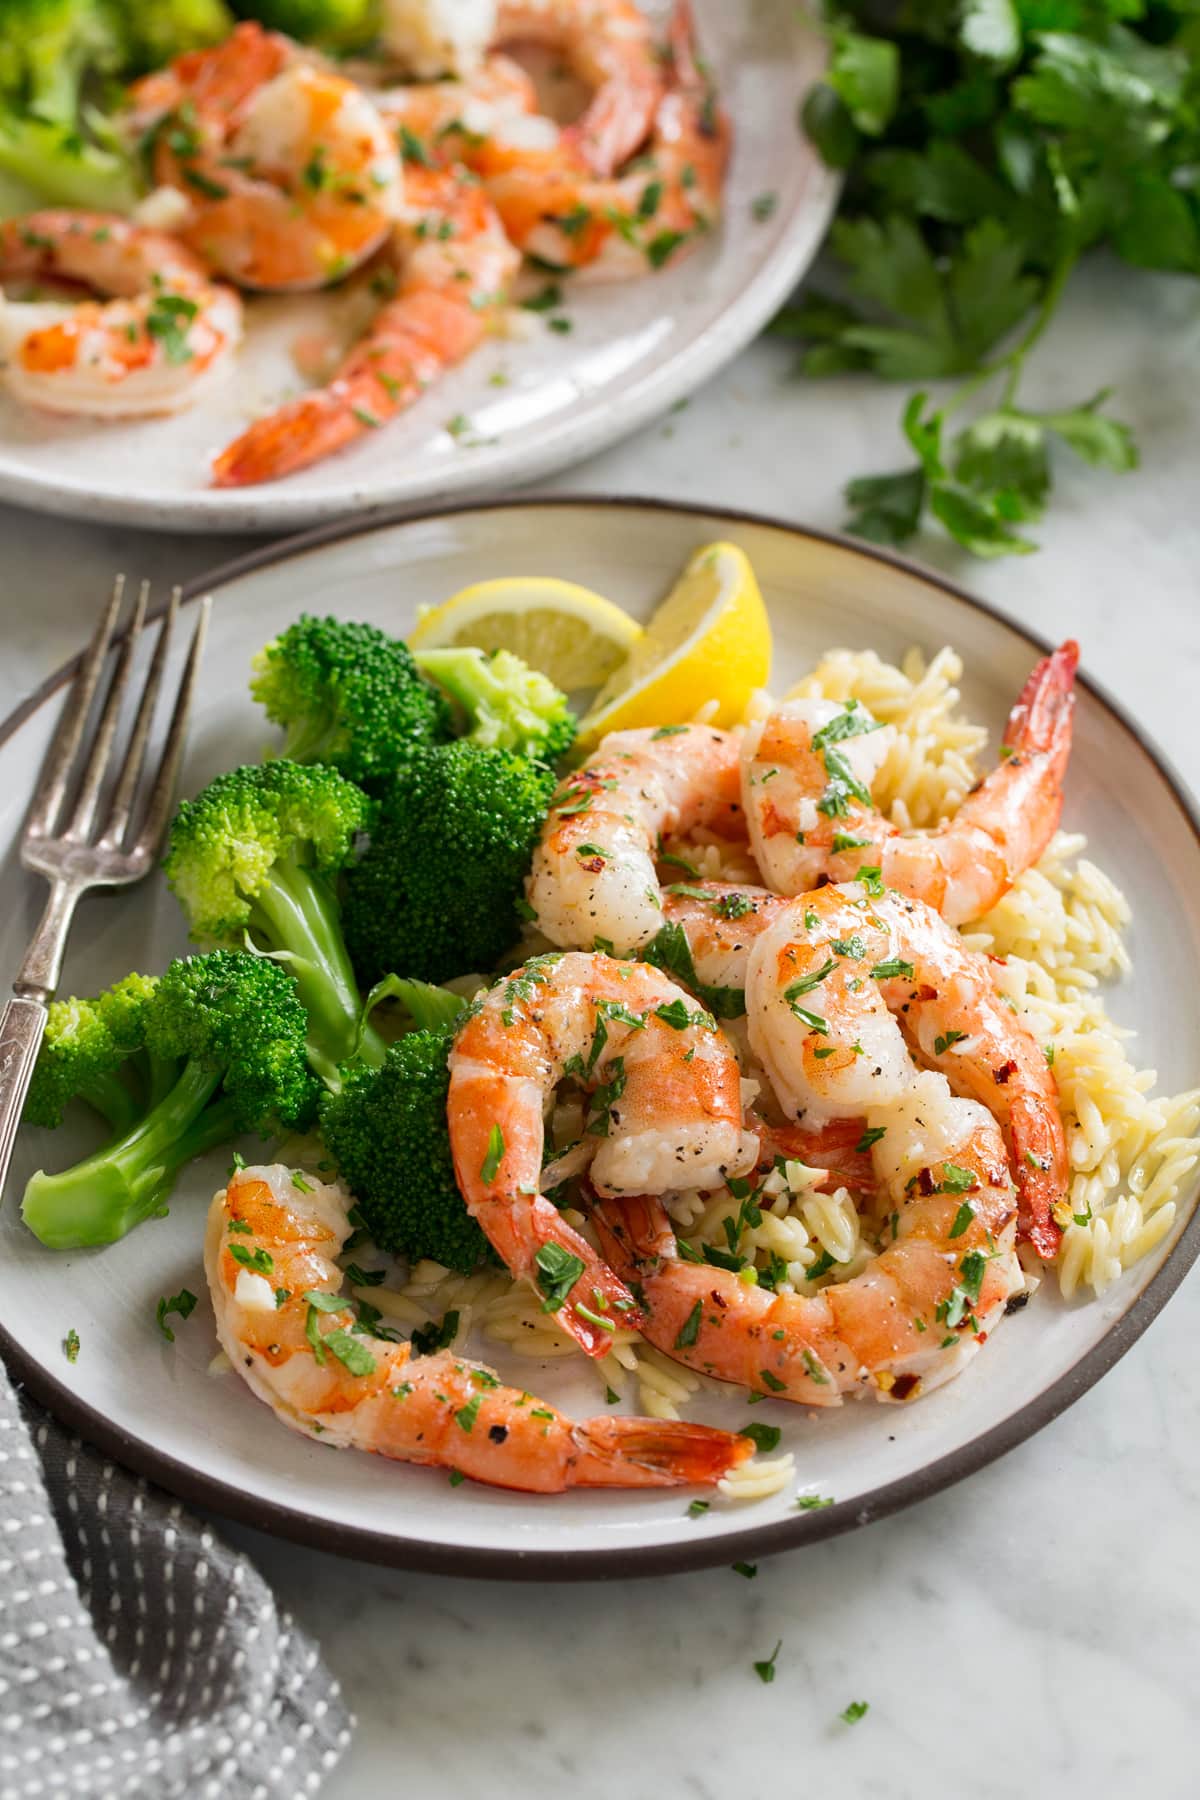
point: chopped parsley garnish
(842, 840)
(412, 149)
(169, 321)
(763, 1437)
(665, 731)
(813, 1020)
(698, 1508)
(762, 207)
(853, 947)
(365, 1277)
(467, 1415)
(183, 1303)
(557, 1272)
(813, 1502)
(808, 982)
(957, 1181)
(870, 1136)
(857, 1709)
(773, 1382)
(70, 1345)
(815, 1370)
(895, 965)
(456, 1478)
(942, 1043)
(259, 1260)
(749, 1570)
(495, 1154)
(437, 1335)
(872, 880)
(671, 952)
(689, 1331)
(962, 1219)
(765, 1670)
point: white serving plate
(634, 350)
(154, 1405)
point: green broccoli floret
(336, 24)
(347, 695)
(386, 1131)
(437, 891)
(83, 1053)
(231, 1030)
(255, 854)
(54, 144)
(155, 31)
(505, 704)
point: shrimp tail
(598, 1302)
(1037, 1156)
(625, 1453)
(300, 433)
(837, 1147)
(1040, 722)
(635, 1232)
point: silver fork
(79, 846)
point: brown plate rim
(300, 1527)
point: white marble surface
(1034, 1630)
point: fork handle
(21, 1027)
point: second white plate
(633, 350)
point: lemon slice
(574, 636)
(709, 640)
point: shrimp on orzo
(291, 177)
(162, 334)
(806, 775)
(270, 1255)
(900, 1327)
(664, 1112)
(594, 875)
(844, 980)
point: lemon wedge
(709, 640)
(574, 636)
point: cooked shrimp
(665, 1113)
(904, 1325)
(291, 176)
(270, 1249)
(593, 876)
(437, 37)
(840, 980)
(619, 227)
(165, 333)
(456, 264)
(721, 921)
(808, 769)
(610, 45)
(448, 121)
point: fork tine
(121, 804)
(60, 757)
(159, 804)
(96, 766)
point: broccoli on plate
(505, 704)
(347, 695)
(224, 1040)
(437, 892)
(252, 859)
(387, 1132)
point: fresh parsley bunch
(988, 146)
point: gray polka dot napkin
(140, 1655)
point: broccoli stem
(130, 1179)
(296, 912)
(108, 1095)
